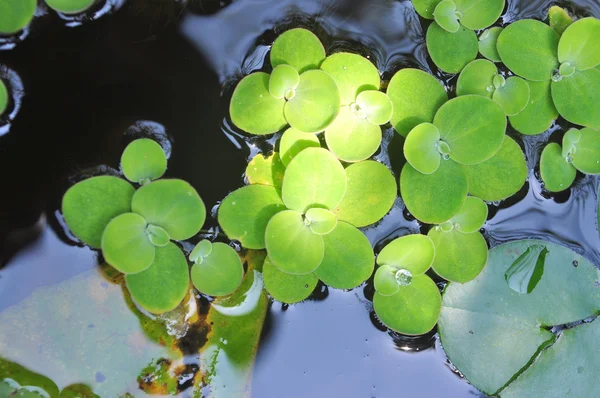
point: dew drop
(446, 156)
(404, 277)
(569, 158)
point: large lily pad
(352, 74)
(285, 287)
(299, 48)
(540, 112)
(577, 97)
(451, 52)
(16, 15)
(579, 44)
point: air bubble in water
(404, 277)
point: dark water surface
(155, 61)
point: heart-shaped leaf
(266, 170)
(414, 253)
(557, 173)
(477, 78)
(446, 16)
(512, 96)
(16, 15)
(540, 112)
(458, 257)
(422, 148)
(293, 142)
(143, 160)
(219, 272)
(299, 48)
(70, 6)
(351, 137)
(376, 106)
(585, 153)
(451, 52)
(579, 44)
(577, 97)
(352, 74)
(283, 81)
(487, 43)
(285, 287)
(471, 217)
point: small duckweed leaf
(126, 244)
(526, 271)
(371, 193)
(299, 48)
(321, 221)
(569, 142)
(293, 142)
(253, 108)
(421, 148)
(487, 43)
(473, 126)
(70, 6)
(266, 170)
(458, 257)
(171, 204)
(3, 97)
(352, 74)
(577, 97)
(283, 80)
(413, 309)
(540, 112)
(201, 250)
(446, 16)
(416, 96)
(220, 272)
(245, 213)
(315, 104)
(529, 49)
(434, 198)
(513, 97)
(451, 52)
(287, 288)
(314, 178)
(586, 157)
(143, 160)
(579, 44)
(557, 173)
(477, 78)
(162, 286)
(425, 8)
(16, 15)
(559, 19)
(291, 245)
(89, 205)
(414, 253)
(348, 259)
(501, 176)
(376, 105)
(477, 14)
(385, 282)
(157, 235)
(472, 216)
(352, 138)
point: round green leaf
(3, 97)
(201, 250)
(529, 49)
(284, 79)
(559, 19)
(89, 205)
(540, 112)
(143, 160)
(487, 43)
(171, 204)
(348, 259)
(422, 148)
(293, 142)
(501, 176)
(586, 157)
(557, 173)
(446, 16)
(414, 253)
(266, 170)
(126, 244)
(513, 96)
(315, 103)
(314, 178)
(473, 126)
(458, 257)
(371, 193)
(220, 273)
(425, 8)
(162, 286)
(245, 213)
(352, 138)
(320, 221)
(434, 198)
(376, 106)
(579, 44)
(577, 98)
(416, 96)
(157, 235)
(299, 48)
(451, 52)
(477, 14)
(477, 78)
(287, 288)
(291, 245)
(16, 15)
(471, 217)
(70, 6)
(253, 108)
(385, 282)
(413, 309)
(352, 74)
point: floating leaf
(371, 193)
(245, 213)
(157, 235)
(540, 112)
(376, 106)
(577, 97)
(385, 282)
(492, 334)
(201, 250)
(477, 78)
(458, 257)
(416, 96)
(513, 95)
(422, 148)
(348, 259)
(446, 16)
(556, 172)
(529, 49)
(413, 310)
(299, 48)
(253, 108)
(143, 160)
(434, 198)
(266, 170)
(287, 288)
(487, 43)
(477, 14)
(579, 45)
(162, 286)
(89, 205)
(70, 6)
(16, 15)
(352, 74)
(352, 138)
(414, 253)
(293, 142)
(3, 97)
(559, 19)
(527, 270)
(586, 156)
(501, 176)
(291, 245)
(283, 81)
(218, 273)
(171, 204)
(471, 217)
(451, 52)
(425, 8)
(314, 178)
(320, 221)
(126, 244)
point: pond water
(166, 69)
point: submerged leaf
(352, 138)
(293, 142)
(352, 74)
(451, 52)
(487, 43)
(577, 97)
(285, 287)
(220, 272)
(527, 270)
(143, 160)
(579, 45)
(299, 48)
(540, 112)
(16, 15)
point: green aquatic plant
(3, 97)
(16, 15)
(70, 6)
(487, 43)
